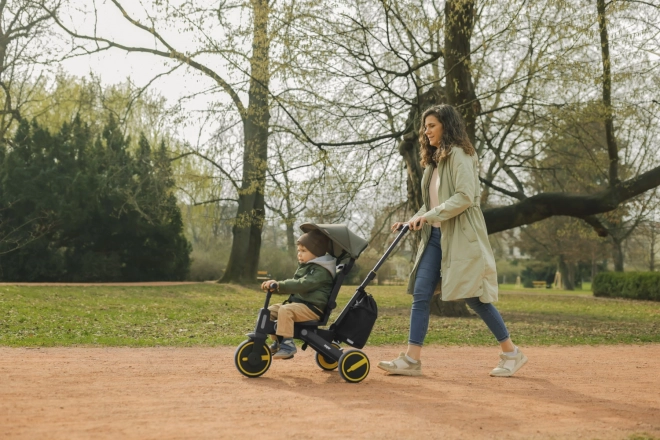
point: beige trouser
(287, 314)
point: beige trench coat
(468, 264)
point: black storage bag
(355, 327)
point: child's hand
(266, 285)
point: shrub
(207, 265)
(279, 263)
(633, 285)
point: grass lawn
(212, 314)
(585, 290)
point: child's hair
(453, 135)
(315, 242)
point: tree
(369, 70)
(254, 71)
(566, 244)
(24, 27)
(643, 246)
(606, 199)
(501, 66)
(24, 30)
(111, 213)
(294, 179)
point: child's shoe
(509, 364)
(402, 366)
(274, 347)
(287, 349)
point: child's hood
(327, 261)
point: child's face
(304, 255)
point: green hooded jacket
(312, 283)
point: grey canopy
(342, 238)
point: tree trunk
(452, 309)
(617, 254)
(612, 148)
(567, 271)
(652, 247)
(248, 224)
(290, 239)
(459, 89)
(459, 92)
(409, 145)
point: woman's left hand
(417, 223)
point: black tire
(249, 363)
(325, 363)
(353, 366)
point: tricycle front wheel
(251, 360)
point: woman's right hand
(398, 225)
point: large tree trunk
(246, 244)
(459, 92)
(459, 22)
(608, 117)
(409, 145)
(567, 271)
(617, 254)
(652, 240)
(452, 309)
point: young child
(309, 291)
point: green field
(212, 314)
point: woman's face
(433, 130)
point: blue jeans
(428, 276)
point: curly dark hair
(453, 135)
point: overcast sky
(115, 65)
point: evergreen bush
(75, 207)
(633, 285)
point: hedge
(633, 285)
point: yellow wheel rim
(241, 358)
(352, 362)
(323, 362)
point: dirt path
(578, 392)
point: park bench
(263, 275)
(539, 284)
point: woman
(450, 191)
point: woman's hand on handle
(417, 223)
(398, 225)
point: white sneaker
(509, 364)
(401, 366)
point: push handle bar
(403, 229)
